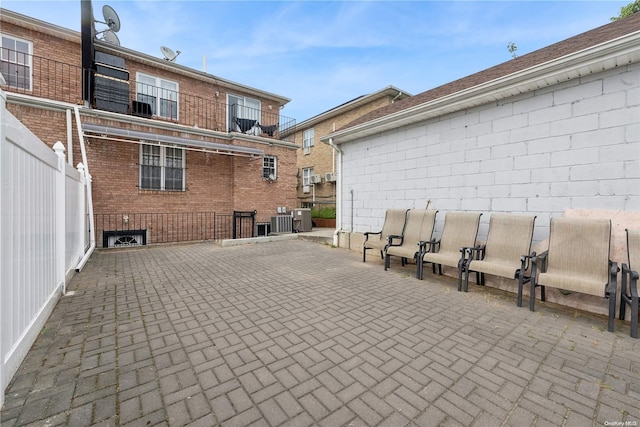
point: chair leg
(419, 266)
(634, 317)
(623, 296)
(612, 311)
(532, 296)
(520, 286)
(466, 280)
(364, 254)
(387, 261)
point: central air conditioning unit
(306, 150)
(315, 179)
(330, 177)
(281, 224)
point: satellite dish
(113, 23)
(169, 54)
(110, 37)
(111, 18)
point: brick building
(171, 150)
(316, 161)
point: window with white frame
(15, 62)
(307, 138)
(269, 167)
(162, 168)
(244, 114)
(306, 176)
(160, 94)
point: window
(161, 94)
(269, 164)
(15, 61)
(161, 168)
(244, 114)
(307, 138)
(306, 176)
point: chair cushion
(495, 268)
(403, 251)
(443, 258)
(375, 244)
(571, 282)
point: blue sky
(323, 53)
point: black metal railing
(173, 227)
(40, 77)
(50, 79)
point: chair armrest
(479, 251)
(538, 260)
(632, 281)
(367, 233)
(391, 237)
(525, 260)
(432, 245)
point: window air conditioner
(306, 150)
(315, 179)
(330, 176)
(306, 188)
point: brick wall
(575, 145)
(214, 182)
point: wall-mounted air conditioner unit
(315, 179)
(306, 150)
(330, 176)
(306, 188)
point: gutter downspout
(338, 193)
(92, 230)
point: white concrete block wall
(575, 145)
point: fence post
(61, 231)
(82, 227)
(2, 231)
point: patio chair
(394, 222)
(577, 260)
(460, 231)
(629, 296)
(506, 253)
(420, 223)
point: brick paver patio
(296, 333)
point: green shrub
(323, 212)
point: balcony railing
(50, 79)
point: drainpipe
(92, 230)
(338, 193)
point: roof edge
(386, 91)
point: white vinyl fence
(43, 236)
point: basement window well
(123, 238)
